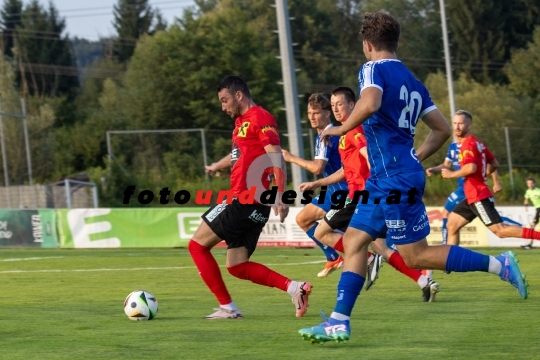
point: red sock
(339, 245)
(209, 271)
(530, 234)
(259, 274)
(397, 262)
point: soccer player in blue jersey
(452, 161)
(327, 161)
(391, 103)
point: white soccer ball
(141, 305)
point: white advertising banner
(516, 213)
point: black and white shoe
(429, 291)
(374, 265)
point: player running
(533, 195)
(326, 162)
(255, 134)
(458, 195)
(476, 162)
(353, 152)
(391, 103)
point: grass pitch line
(139, 269)
(34, 258)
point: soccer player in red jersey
(238, 223)
(353, 151)
(476, 163)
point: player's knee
(303, 220)
(452, 227)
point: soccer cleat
(330, 267)
(510, 272)
(222, 313)
(429, 291)
(374, 265)
(527, 247)
(300, 298)
(329, 330)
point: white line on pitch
(34, 258)
(137, 269)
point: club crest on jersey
(269, 128)
(342, 142)
(242, 131)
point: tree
(484, 32)
(44, 60)
(522, 70)
(132, 18)
(11, 18)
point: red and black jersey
(473, 151)
(253, 131)
(355, 166)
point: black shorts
(484, 209)
(536, 216)
(238, 224)
(339, 219)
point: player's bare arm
(282, 209)
(437, 169)
(440, 132)
(464, 171)
(213, 168)
(329, 180)
(368, 105)
(496, 183)
(492, 168)
(315, 166)
(364, 153)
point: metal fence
(63, 194)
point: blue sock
(444, 231)
(349, 287)
(331, 254)
(464, 260)
(510, 221)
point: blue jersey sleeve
(370, 76)
(449, 156)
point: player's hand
(333, 131)
(447, 174)
(497, 187)
(286, 155)
(429, 172)
(282, 210)
(212, 169)
(310, 185)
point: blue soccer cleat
(510, 272)
(329, 330)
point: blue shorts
(455, 198)
(326, 206)
(402, 222)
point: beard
(235, 110)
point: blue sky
(92, 19)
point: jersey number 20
(410, 113)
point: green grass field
(68, 304)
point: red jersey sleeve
(469, 151)
(489, 156)
(268, 135)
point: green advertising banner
(28, 228)
(112, 228)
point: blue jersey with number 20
(390, 131)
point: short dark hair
(531, 179)
(234, 83)
(465, 113)
(382, 30)
(349, 94)
(319, 101)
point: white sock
(230, 306)
(422, 281)
(339, 316)
(291, 290)
(495, 265)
